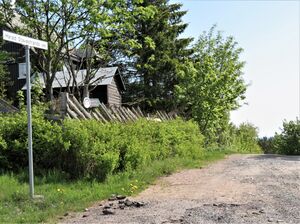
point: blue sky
(268, 31)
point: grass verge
(61, 196)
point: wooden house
(108, 82)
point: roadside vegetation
(287, 142)
(80, 162)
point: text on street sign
(16, 38)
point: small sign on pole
(27, 42)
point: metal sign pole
(27, 42)
(30, 153)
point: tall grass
(61, 195)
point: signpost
(27, 42)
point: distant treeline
(287, 142)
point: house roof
(6, 107)
(103, 76)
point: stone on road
(239, 189)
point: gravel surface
(239, 189)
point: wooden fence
(5, 107)
(70, 107)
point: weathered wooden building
(107, 84)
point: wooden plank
(136, 112)
(113, 94)
(80, 107)
(76, 110)
(140, 111)
(117, 114)
(166, 114)
(125, 114)
(162, 114)
(71, 113)
(98, 112)
(95, 116)
(105, 112)
(131, 113)
(159, 115)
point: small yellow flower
(58, 190)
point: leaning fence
(70, 107)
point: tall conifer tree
(154, 63)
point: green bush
(48, 143)
(99, 149)
(91, 149)
(241, 139)
(267, 144)
(288, 142)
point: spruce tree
(152, 67)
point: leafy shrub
(91, 149)
(288, 142)
(99, 149)
(241, 139)
(246, 139)
(267, 144)
(48, 144)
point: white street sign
(27, 42)
(16, 38)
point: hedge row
(91, 149)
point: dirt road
(239, 189)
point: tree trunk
(86, 92)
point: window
(22, 71)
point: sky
(268, 31)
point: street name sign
(16, 38)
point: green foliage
(151, 68)
(93, 150)
(238, 139)
(48, 143)
(288, 141)
(37, 94)
(245, 139)
(20, 98)
(4, 78)
(211, 83)
(63, 196)
(267, 144)
(101, 149)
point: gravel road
(239, 189)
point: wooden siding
(17, 54)
(113, 94)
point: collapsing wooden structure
(70, 107)
(5, 107)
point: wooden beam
(80, 107)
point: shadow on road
(277, 157)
